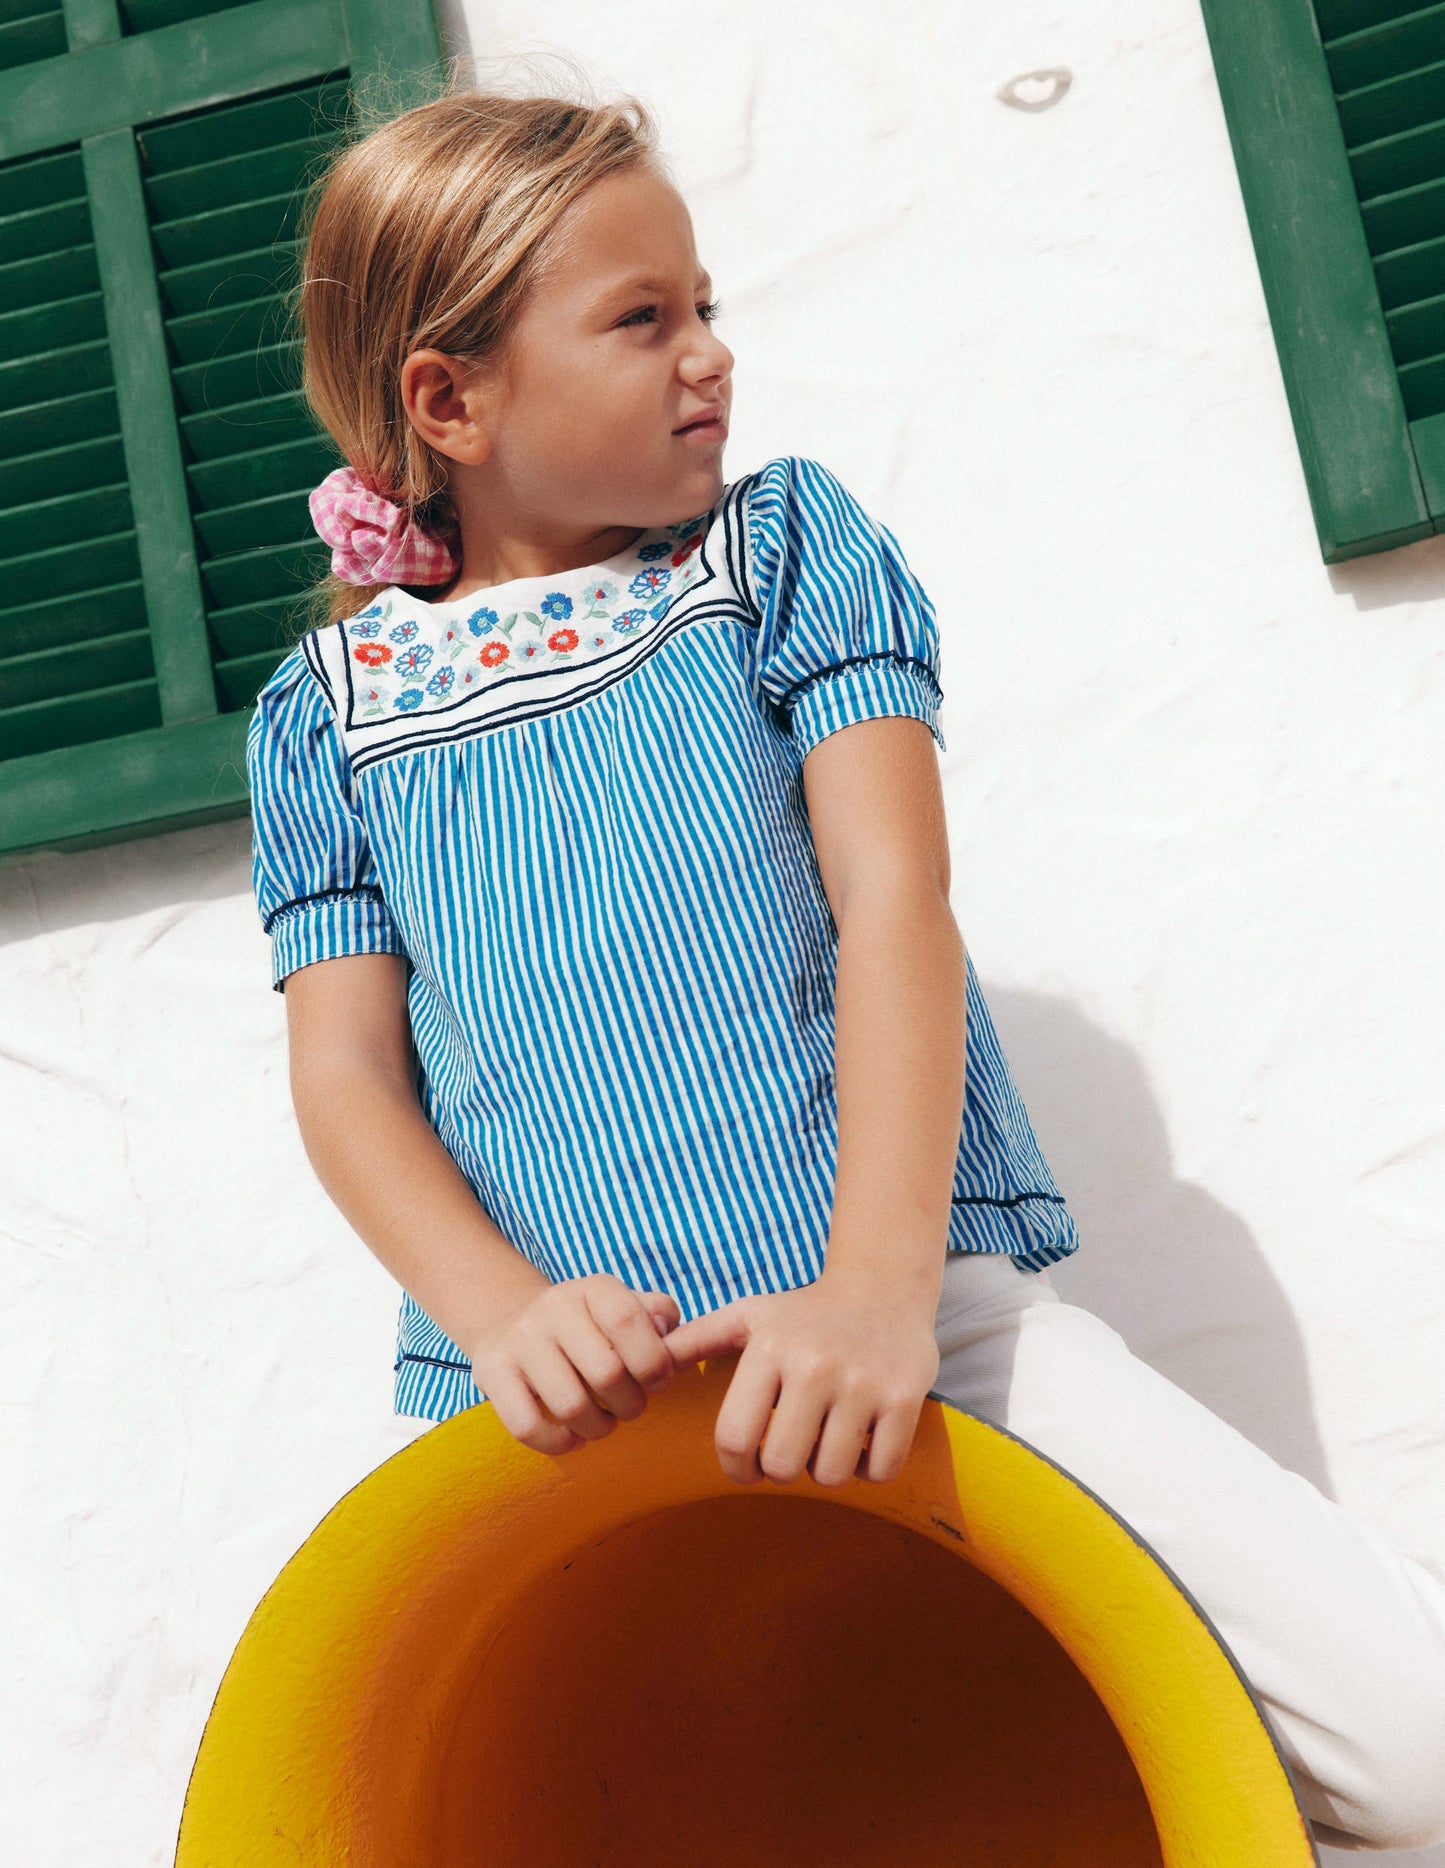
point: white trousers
(1340, 1635)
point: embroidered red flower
(493, 654)
(686, 548)
(562, 640)
(372, 654)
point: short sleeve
(315, 882)
(845, 630)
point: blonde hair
(428, 230)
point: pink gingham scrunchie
(375, 540)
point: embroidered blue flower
(557, 606)
(370, 626)
(372, 609)
(482, 622)
(596, 638)
(408, 700)
(648, 583)
(414, 661)
(405, 632)
(658, 550)
(441, 681)
(661, 607)
(629, 619)
(528, 649)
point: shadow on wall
(52, 891)
(1177, 1274)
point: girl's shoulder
(794, 498)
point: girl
(600, 841)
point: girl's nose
(708, 359)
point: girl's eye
(706, 312)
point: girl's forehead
(631, 224)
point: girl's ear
(449, 405)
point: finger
(743, 1417)
(663, 1308)
(626, 1322)
(563, 1393)
(601, 1364)
(793, 1431)
(841, 1443)
(523, 1416)
(716, 1334)
(893, 1433)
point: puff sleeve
(845, 630)
(312, 871)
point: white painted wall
(1196, 786)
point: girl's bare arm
(352, 1083)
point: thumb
(714, 1334)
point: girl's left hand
(843, 1354)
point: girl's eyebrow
(624, 287)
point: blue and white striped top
(575, 804)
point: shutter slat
(252, 376)
(241, 680)
(51, 622)
(147, 15)
(1398, 104)
(77, 366)
(1405, 218)
(67, 321)
(1412, 273)
(220, 233)
(96, 512)
(274, 520)
(75, 667)
(63, 421)
(248, 175)
(96, 463)
(270, 627)
(112, 559)
(1423, 387)
(230, 280)
(223, 330)
(257, 576)
(220, 433)
(1338, 17)
(39, 181)
(47, 276)
(1418, 331)
(75, 719)
(1387, 51)
(26, 41)
(42, 229)
(259, 471)
(11, 10)
(210, 136)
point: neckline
(485, 596)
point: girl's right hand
(568, 1363)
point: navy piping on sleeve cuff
(323, 927)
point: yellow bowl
(485, 1656)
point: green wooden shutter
(155, 450)
(1336, 113)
